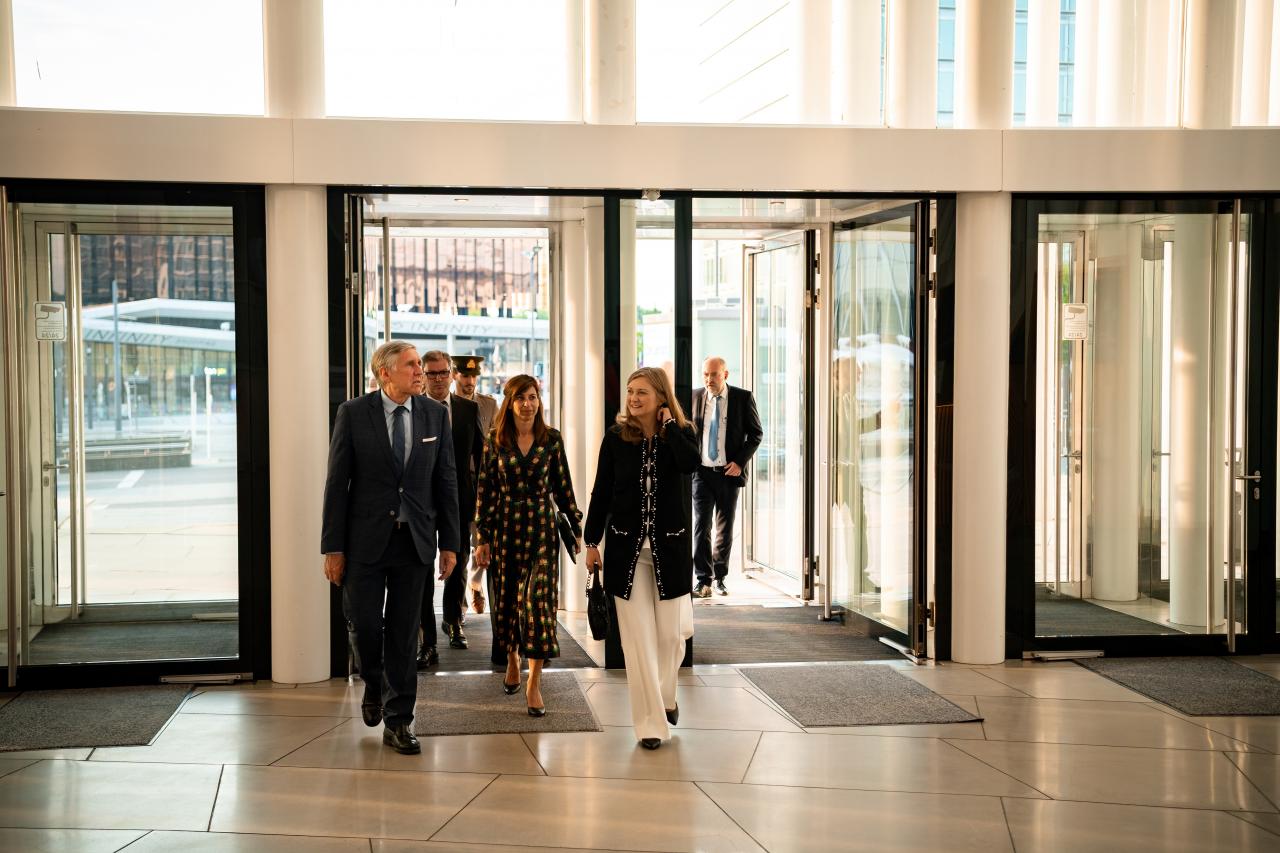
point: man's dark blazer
(743, 431)
(362, 491)
(468, 451)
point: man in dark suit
(464, 422)
(390, 499)
(728, 428)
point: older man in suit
(728, 428)
(390, 499)
(468, 447)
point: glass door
(128, 430)
(876, 565)
(779, 329)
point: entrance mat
(474, 704)
(754, 634)
(853, 695)
(480, 645)
(105, 716)
(83, 642)
(1198, 687)
(1064, 616)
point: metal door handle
(49, 466)
(1255, 476)
(1073, 455)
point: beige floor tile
(75, 754)
(1263, 771)
(966, 682)
(685, 678)
(1124, 775)
(1270, 822)
(235, 842)
(355, 746)
(691, 755)
(725, 681)
(224, 739)
(613, 814)
(1269, 664)
(803, 820)
(109, 796)
(700, 708)
(328, 701)
(1095, 722)
(969, 703)
(6, 698)
(1259, 732)
(302, 801)
(1057, 682)
(954, 731)
(920, 765)
(67, 840)
(10, 765)
(1044, 826)
(383, 845)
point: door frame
(247, 203)
(1263, 314)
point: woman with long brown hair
(642, 497)
(523, 480)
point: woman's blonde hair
(661, 382)
(504, 424)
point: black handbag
(568, 535)
(597, 606)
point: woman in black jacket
(641, 505)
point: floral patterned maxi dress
(515, 515)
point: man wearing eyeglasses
(468, 445)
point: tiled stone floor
(1065, 760)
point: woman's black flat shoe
(510, 689)
(537, 712)
(650, 742)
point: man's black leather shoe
(673, 715)
(457, 639)
(428, 657)
(371, 712)
(720, 588)
(650, 742)
(401, 740)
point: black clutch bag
(568, 535)
(597, 606)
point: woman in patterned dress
(524, 471)
(641, 507)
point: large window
(195, 56)
(783, 62)
(454, 59)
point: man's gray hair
(437, 355)
(385, 356)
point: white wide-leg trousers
(653, 634)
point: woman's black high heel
(510, 689)
(537, 712)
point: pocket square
(432, 438)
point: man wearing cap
(466, 372)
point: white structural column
(627, 289)
(298, 325)
(582, 363)
(1256, 60)
(8, 73)
(1208, 64)
(1114, 450)
(911, 90)
(840, 56)
(609, 62)
(981, 427)
(1043, 20)
(984, 63)
(298, 322)
(293, 57)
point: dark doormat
(853, 695)
(95, 642)
(474, 704)
(754, 634)
(105, 716)
(1064, 616)
(480, 644)
(1198, 687)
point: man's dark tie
(397, 438)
